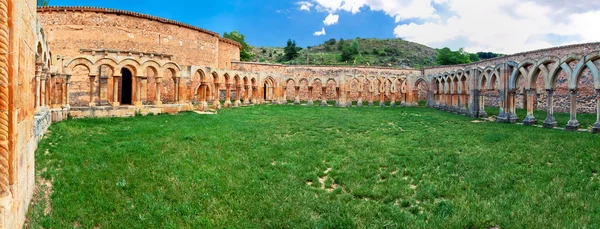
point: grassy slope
(249, 167)
(409, 54)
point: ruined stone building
(96, 62)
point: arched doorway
(126, 86)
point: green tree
(355, 47)
(246, 51)
(42, 2)
(474, 57)
(330, 41)
(488, 55)
(341, 44)
(291, 50)
(448, 57)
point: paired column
(43, 90)
(530, 119)
(324, 96)
(573, 124)
(67, 97)
(138, 92)
(512, 108)
(38, 76)
(348, 98)
(297, 95)
(247, 94)
(596, 128)
(482, 113)
(550, 122)
(92, 86)
(338, 95)
(255, 99)
(371, 94)
(238, 95)
(393, 102)
(310, 96)
(284, 99)
(158, 101)
(359, 103)
(216, 99)
(116, 102)
(228, 95)
(382, 98)
(203, 95)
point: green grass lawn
(314, 167)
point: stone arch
(152, 65)
(198, 80)
(173, 67)
(80, 61)
(541, 66)
(562, 65)
(586, 62)
(522, 72)
(269, 89)
(109, 62)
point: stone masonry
(96, 62)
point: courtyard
(315, 167)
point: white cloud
(505, 26)
(304, 5)
(332, 19)
(320, 33)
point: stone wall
(70, 29)
(586, 101)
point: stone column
(246, 94)
(573, 124)
(596, 128)
(38, 76)
(158, 101)
(67, 97)
(359, 103)
(338, 96)
(297, 95)
(530, 119)
(348, 98)
(550, 122)
(371, 94)
(473, 110)
(144, 90)
(177, 82)
(382, 98)
(284, 99)
(512, 108)
(255, 99)
(310, 96)
(228, 103)
(393, 102)
(462, 103)
(203, 94)
(238, 96)
(92, 86)
(116, 102)
(216, 100)
(63, 92)
(43, 90)
(138, 92)
(482, 113)
(324, 96)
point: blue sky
(504, 26)
(264, 22)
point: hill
(373, 52)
